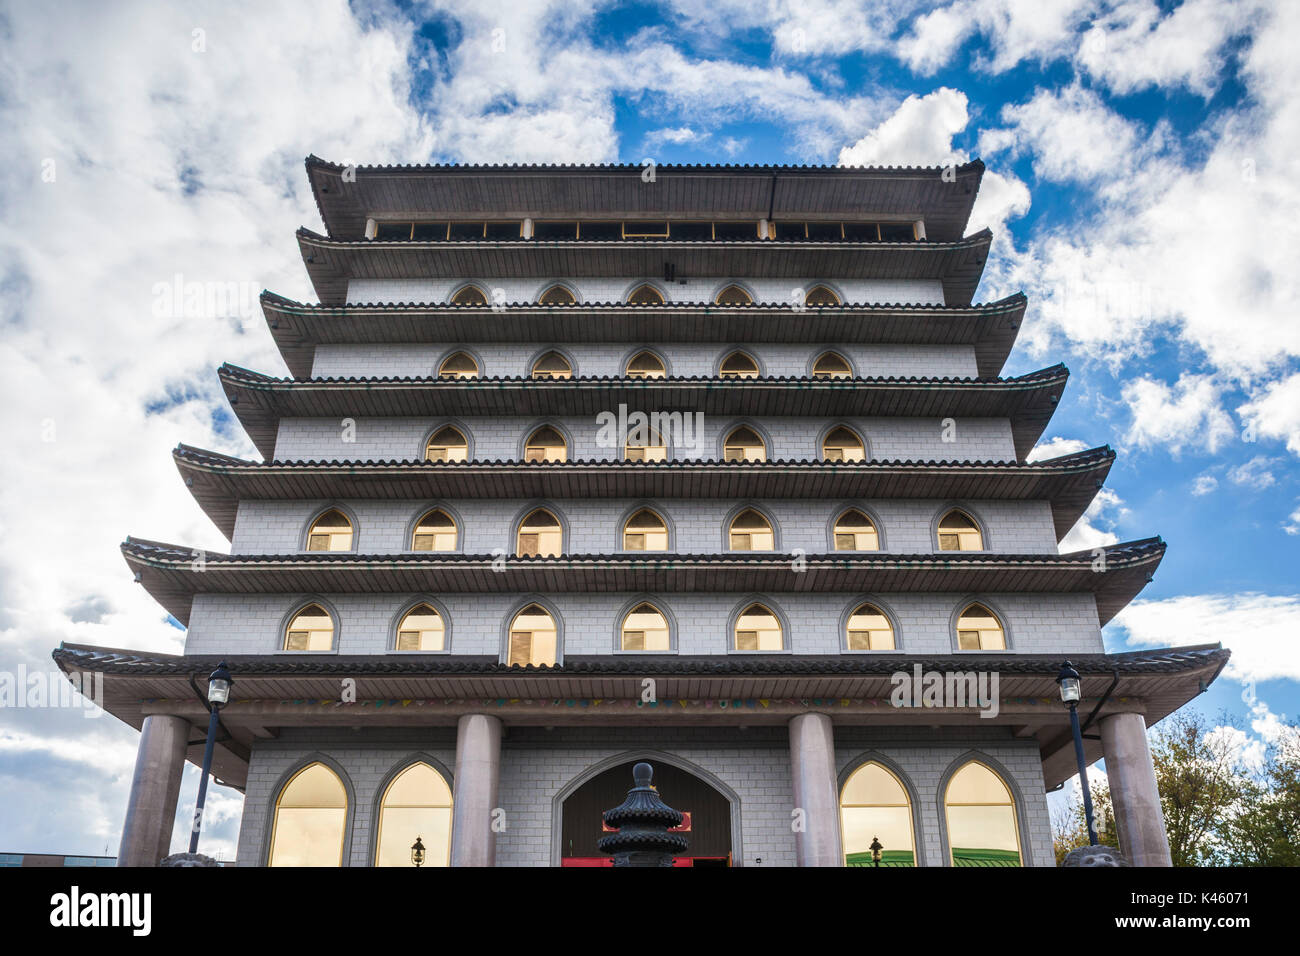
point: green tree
(1265, 830)
(1202, 783)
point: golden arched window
(644, 444)
(854, 531)
(416, 806)
(458, 365)
(447, 444)
(646, 294)
(557, 295)
(532, 638)
(421, 629)
(738, 365)
(959, 532)
(311, 814)
(332, 531)
(469, 295)
(436, 531)
(743, 444)
(645, 629)
(874, 808)
(869, 630)
(310, 629)
(981, 812)
(734, 295)
(843, 444)
(540, 535)
(552, 365)
(645, 365)
(757, 629)
(832, 365)
(821, 295)
(979, 629)
(645, 531)
(545, 444)
(750, 531)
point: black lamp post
(876, 847)
(219, 683)
(417, 852)
(1068, 678)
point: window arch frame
(657, 602)
(508, 620)
(451, 354)
(621, 529)
(763, 512)
(663, 443)
(551, 287)
(831, 429)
(451, 296)
(839, 296)
(646, 350)
(909, 788)
(423, 512)
(524, 513)
(840, 353)
(522, 453)
(886, 611)
(1008, 781)
(448, 423)
(741, 286)
(730, 429)
(395, 624)
(303, 602)
(760, 371)
(839, 511)
(733, 619)
(277, 791)
(346, 512)
(399, 768)
(963, 605)
(627, 295)
(541, 354)
(980, 524)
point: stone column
(478, 769)
(155, 785)
(1133, 793)
(816, 791)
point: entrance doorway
(707, 826)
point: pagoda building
(709, 467)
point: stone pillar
(155, 785)
(816, 791)
(478, 769)
(1133, 793)
(372, 228)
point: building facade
(708, 466)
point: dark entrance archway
(709, 819)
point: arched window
(532, 638)
(436, 531)
(540, 535)
(545, 444)
(750, 531)
(843, 444)
(981, 813)
(311, 629)
(959, 532)
(734, 295)
(874, 807)
(743, 444)
(645, 365)
(820, 295)
(979, 629)
(854, 531)
(644, 444)
(469, 295)
(421, 629)
(738, 365)
(646, 294)
(458, 365)
(757, 629)
(311, 815)
(832, 365)
(645, 629)
(447, 444)
(869, 630)
(645, 531)
(332, 531)
(557, 295)
(416, 806)
(552, 365)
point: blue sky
(1143, 186)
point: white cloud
(1254, 474)
(1292, 525)
(1274, 412)
(1056, 448)
(1204, 485)
(1259, 629)
(1188, 413)
(1017, 30)
(1088, 532)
